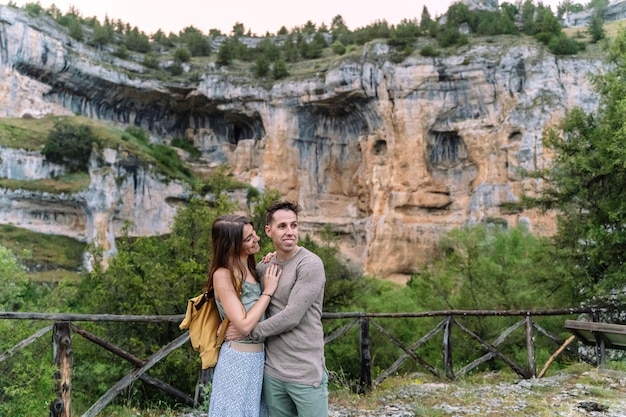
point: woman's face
(250, 245)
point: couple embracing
(272, 363)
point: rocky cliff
(615, 10)
(391, 155)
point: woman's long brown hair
(226, 244)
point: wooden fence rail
(64, 325)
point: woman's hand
(267, 258)
(270, 279)
(231, 333)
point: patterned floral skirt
(237, 383)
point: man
(295, 381)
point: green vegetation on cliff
(182, 57)
(69, 141)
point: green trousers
(288, 399)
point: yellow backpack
(203, 319)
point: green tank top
(250, 293)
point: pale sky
(260, 16)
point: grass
(67, 184)
(55, 275)
(597, 50)
(611, 29)
(62, 256)
(25, 133)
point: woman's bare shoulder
(222, 275)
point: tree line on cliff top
(270, 57)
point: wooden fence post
(62, 357)
(365, 384)
(205, 378)
(600, 346)
(530, 345)
(447, 347)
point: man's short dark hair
(281, 205)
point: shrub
(70, 145)
(76, 30)
(338, 48)
(226, 53)
(429, 51)
(136, 40)
(261, 66)
(102, 34)
(14, 285)
(312, 49)
(405, 33)
(26, 378)
(186, 146)
(182, 55)
(168, 158)
(122, 52)
(33, 9)
(138, 133)
(450, 36)
(279, 70)
(195, 41)
(176, 68)
(151, 61)
(563, 45)
(400, 55)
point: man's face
(283, 230)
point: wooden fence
(64, 326)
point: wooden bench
(602, 335)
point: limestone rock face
(19, 164)
(391, 155)
(118, 193)
(615, 10)
(490, 5)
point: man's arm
(309, 287)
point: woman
(239, 295)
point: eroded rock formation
(391, 155)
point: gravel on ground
(590, 392)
